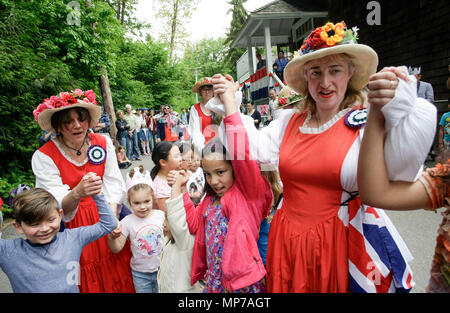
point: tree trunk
(108, 105)
(118, 10)
(122, 17)
(174, 28)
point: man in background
(424, 89)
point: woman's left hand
(383, 84)
(382, 87)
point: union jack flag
(377, 255)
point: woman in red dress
(323, 238)
(201, 127)
(60, 166)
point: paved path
(418, 229)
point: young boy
(48, 260)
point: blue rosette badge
(96, 154)
(356, 118)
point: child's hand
(116, 232)
(172, 177)
(177, 178)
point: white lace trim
(313, 130)
(68, 158)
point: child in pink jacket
(226, 223)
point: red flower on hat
(65, 99)
(78, 92)
(90, 94)
(282, 101)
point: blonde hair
(138, 187)
(273, 177)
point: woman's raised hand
(382, 85)
(225, 88)
(90, 185)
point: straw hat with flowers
(327, 40)
(205, 81)
(67, 100)
(286, 98)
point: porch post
(251, 59)
(268, 48)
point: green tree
(143, 77)
(239, 16)
(46, 47)
(208, 56)
(174, 15)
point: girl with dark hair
(226, 222)
(166, 157)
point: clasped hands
(90, 185)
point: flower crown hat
(67, 100)
(286, 97)
(327, 40)
(202, 82)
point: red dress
(307, 243)
(205, 122)
(101, 271)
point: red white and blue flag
(377, 255)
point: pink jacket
(245, 204)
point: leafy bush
(10, 182)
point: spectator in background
(103, 124)
(167, 126)
(275, 70)
(122, 159)
(131, 119)
(273, 114)
(261, 63)
(46, 136)
(151, 125)
(281, 63)
(256, 116)
(184, 116)
(444, 125)
(140, 120)
(424, 89)
(122, 133)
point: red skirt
(101, 271)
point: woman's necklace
(77, 150)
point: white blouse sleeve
(198, 140)
(113, 184)
(410, 128)
(48, 177)
(264, 143)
